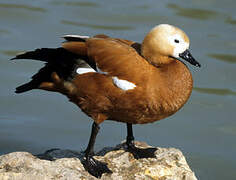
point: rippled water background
(205, 129)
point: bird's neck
(154, 57)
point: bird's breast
(156, 98)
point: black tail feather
(26, 87)
(57, 60)
(38, 54)
(45, 54)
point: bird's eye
(176, 41)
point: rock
(169, 164)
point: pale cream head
(162, 42)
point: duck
(118, 79)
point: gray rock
(169, 164)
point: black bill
(186, 55)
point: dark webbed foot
(139, 153)
(95, 167)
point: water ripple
(83, 4)
(215, 91)
(231, 21)
(22, 6)
(192, 13)
(94, 26)
(10, 52)
(224, 57)
(3, 31)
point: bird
(118, 79)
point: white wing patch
(123, 84)
(100, 71)
(120, 83)
(84, 70)
(76, 36)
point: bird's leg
(137, 152)
(94, 167)
(90, 148)
(130, 136)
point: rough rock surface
(169, 164)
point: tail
(26, 87)
(57, 60)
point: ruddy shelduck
(117, 79)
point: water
(205, 129)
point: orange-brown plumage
(158, 93)
(121, 80)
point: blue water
(205, 129)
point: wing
(114, 57)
